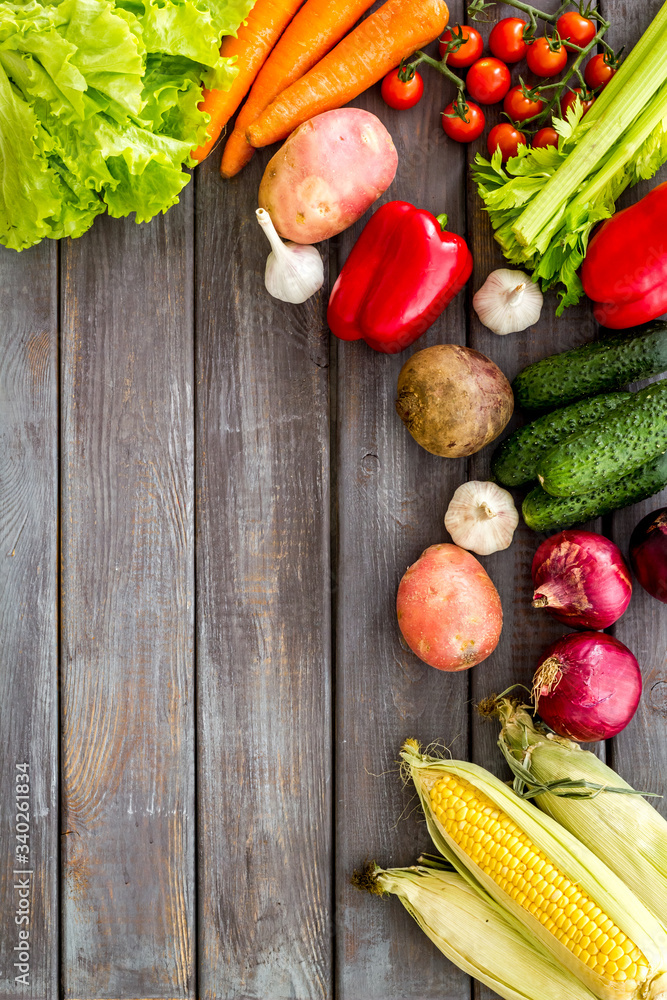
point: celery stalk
(654, 113)
(594, 144)
(544, 203)
(634, 61)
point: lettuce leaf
(99, 107)
(28, 191)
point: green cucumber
(515, 461)
(542, 512)
(604, 452)
(609, 363)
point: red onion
(582, 579)
(648, 553)
(587, 686)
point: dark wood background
(207, 505)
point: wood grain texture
(639, 753)
(263, 620)
(526, 631)
(28, 613)
(392, 497)
(127, 609)
(310, 494)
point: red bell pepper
(625, 269)
(402, 272)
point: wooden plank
(639, 753)
(28, 622)
(392, 497)
(127, 609)
(526, 632)
(263, 638)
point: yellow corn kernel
(535, 885)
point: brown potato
(453, 400)
(327, 174)
(448, 608)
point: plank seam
(58, 615)
(333, 596)
(607, 529)
(195, 614)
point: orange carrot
(318, 26)
(362, 58)
(255, 38)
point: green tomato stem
(560, 86)
(441, 66)
(533, 12)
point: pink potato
(448, 609)
(327, 173)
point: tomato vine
(550, 93)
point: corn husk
(567, 854)
(590, 800)
(476, 935)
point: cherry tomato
(467, 53)
(488, 80)
(401, 94)
(506, 40)
(598, 72)
(505, 138)
(576, 28)
(464, 131)
(519, 107)
(570, 96)
(545, 137)
(543, 60)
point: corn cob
(561, 892)
(474, 933)
(624, 830)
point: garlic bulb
(481, 518)
(508, 301)
(293, 272)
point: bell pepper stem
(442, 220)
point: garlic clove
(294, 271)
(508, 301)
(481, 517)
